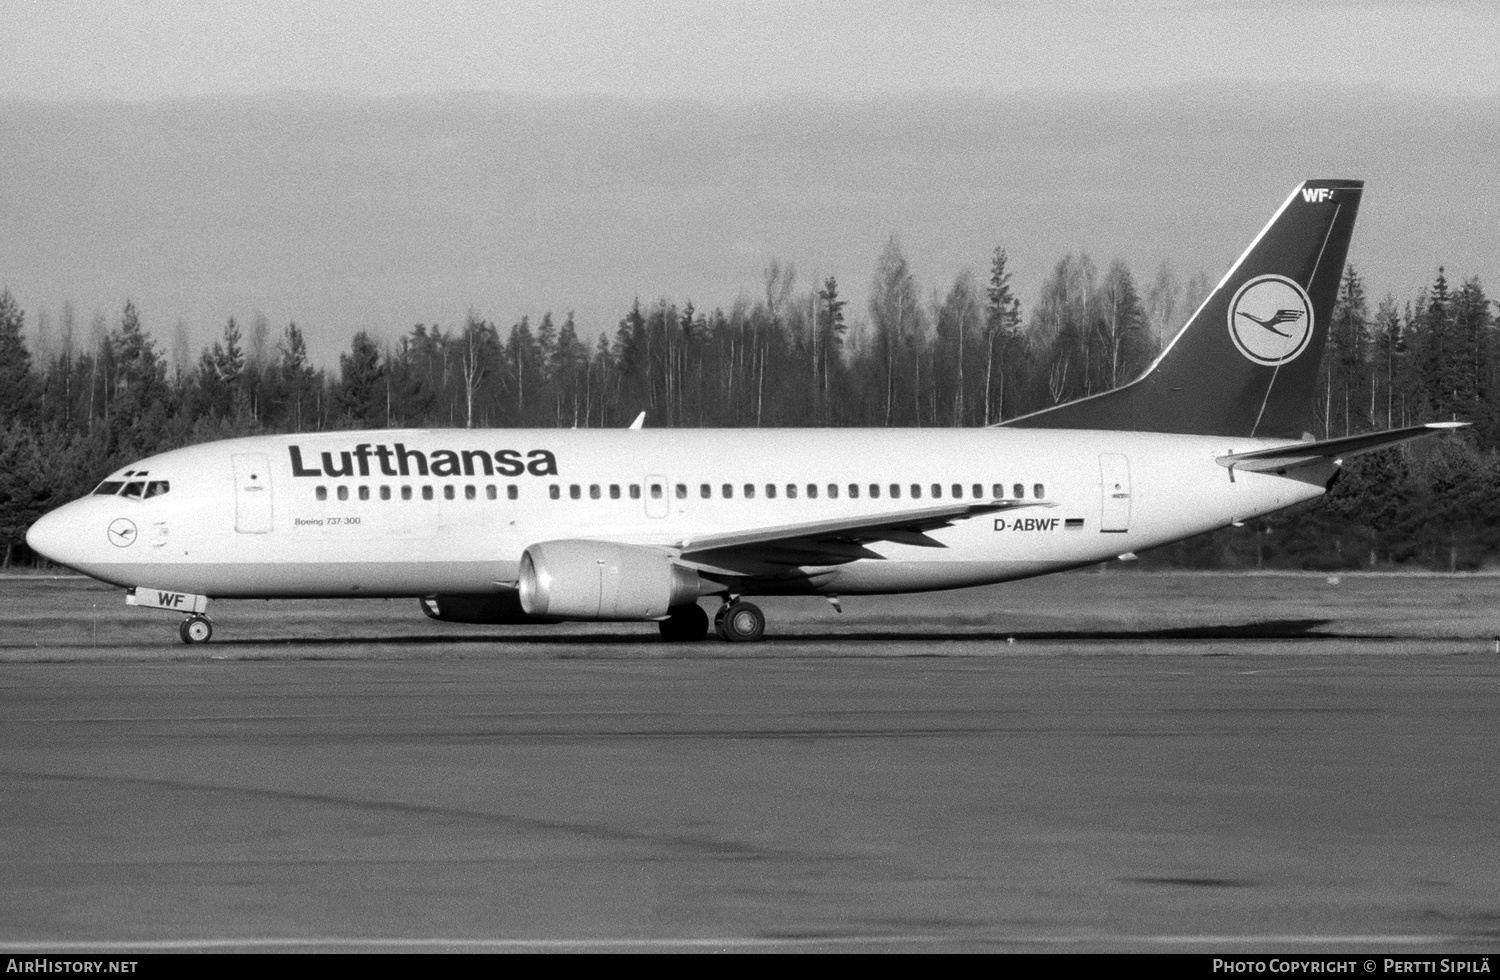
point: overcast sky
(734, 52)
(263, 165)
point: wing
(832, 542)
(1301, 453)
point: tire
(195, 629)
(741, 622)
(686, 624)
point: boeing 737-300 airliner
(544, 525)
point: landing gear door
(1114, 484)
(657, 501)
(252, 494)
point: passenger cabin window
(656, 491)
(447, 491)
(321, 493)
(978, 489)
(916, 491)
(874, 491)
(854, 491)
(770, 491)
(682, 491)
(385, 493)
(406, 493)
(937, 491)
(512, 492)
(895, 491)
(1020, 491)
(595, 492)
(364, 492)
(575, 492)
(1039, 491)
(999, 489)
(489, 492)
(812, 491)
(635, 491)
(728, 490)
(958, 491)
(470, 491)
(343, 493)
(614, 491)
(833, 491)
(555, 492)
(791, 491)
(427, 491)
(749, 491)
(705, 491)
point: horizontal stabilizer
(1300, 453)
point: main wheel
(195, 629)
(685, 624)
(740, 622)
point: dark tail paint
(1247, 362)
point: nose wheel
(196, 629)
(740, 622)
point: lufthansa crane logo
(1271, 320)
(122, 532)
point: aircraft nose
(53, 537)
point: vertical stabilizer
(1247, 362)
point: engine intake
(603, 580)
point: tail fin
(1247, 362)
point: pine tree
(1342, 371)
(297, 378)
(830, 333)
(1438, 360)
(1002, 315)
(361, 396)
(18, 387)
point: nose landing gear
(196, 629)
(740, 622)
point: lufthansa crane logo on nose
(122, 532)
(1271, 320)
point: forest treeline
(79, 401)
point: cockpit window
(133, 490)
(108, 488)
(156, 488)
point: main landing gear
(196, 629)
(736, 621)
(740, 622)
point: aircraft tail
(1247, 362)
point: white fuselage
(240, 520)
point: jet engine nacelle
(501, 608)
(602, 580)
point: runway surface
(1275, 783)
